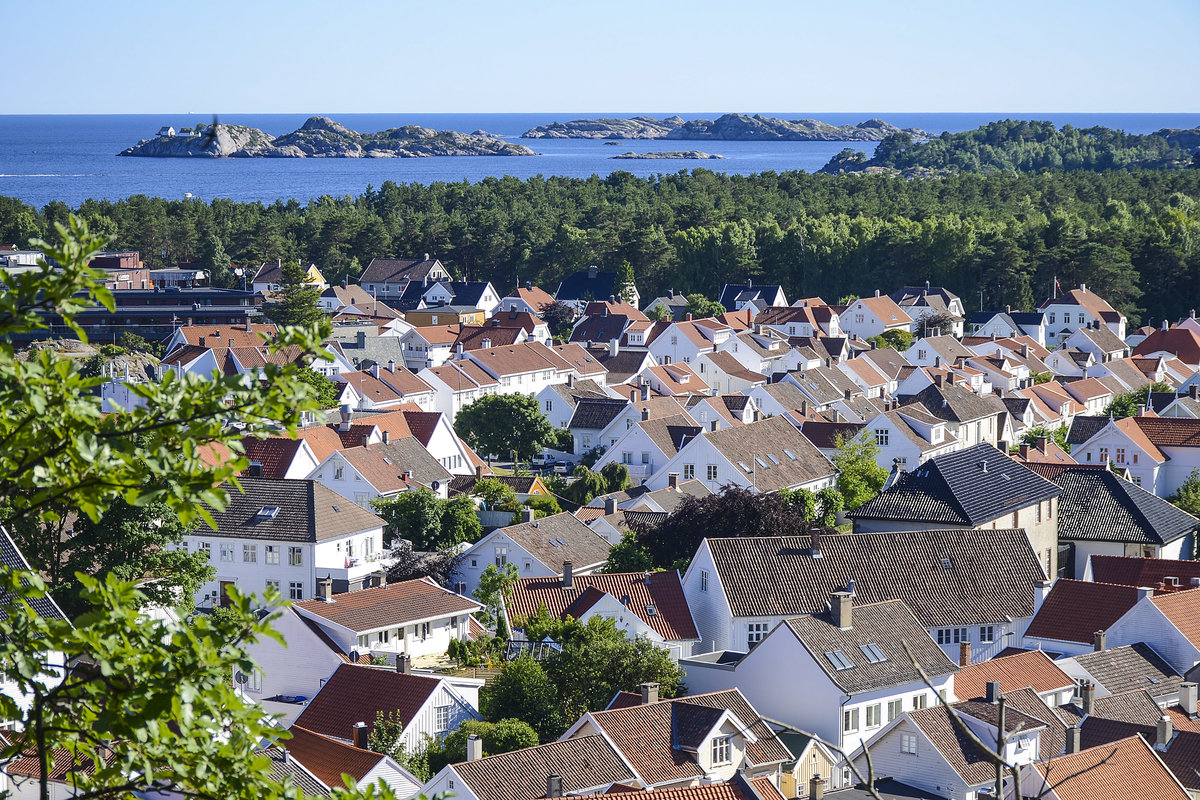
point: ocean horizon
(73, 157)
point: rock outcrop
(729, 127)
(321, 137)
(690, 154)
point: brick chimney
(359, 735)
(1099, 641)
(568, 575)
(964, 654)
(842, 609)
(673, 480)
(649, 693)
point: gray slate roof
(946, 576)
(967, 487)
(596, 414)
(308, 512)
(888, 626)
(558, 538)
(1084, 428)
(1099, 505)
(1132, 667)
(958, 403)
(13, 559)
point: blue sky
(607, 55)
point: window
(712, 472)
(339, 472)
(1103, 455)
(850, 720)
(271, 553)
(1039, 513)
(858, 318)
(645, 458)
(273, 585)
(881, 437)
(254, 682)
(689, 471)
(894, 709)
(758, 631)
(1082, 318)
(1050, 318)
(921, 353)
(295, 590)
(1137, 480)
(839, 660)
(1135, 455)
(873, 653)
(952, 635)
(206, 548)
(1120, 455)
(441, 718)
(249, 553)
(722, 751)
(874, 715)
(474, 562)
(987, 634)
(501, 556)
(919, 701)
(908, 744)
(226, 551)
(295, 557)
(626, 458)
(704, 580)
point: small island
(729, 127)
(320, 137)
(690, 154)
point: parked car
(542, 460)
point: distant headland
(728, 127)
(320, 137)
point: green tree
(495, 584)
(896, 339)
(498, 424)
(831, 503)
(385, 737)
(215, 261)
(1188, 496)
(502, 736)
(701, 307)
(1126, 404)
(628, 555)
(297, 299)
(658, 313)
(523, 691)
(616, 477)
(428, 522)
(494, 493)
(859, 475)
(460, 523)
(559, 317)
(326, 391)
(1058, 436)
(587, 485)
(803, 500)
(625, 284)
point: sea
(71, 158)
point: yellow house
(445, 315)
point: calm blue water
(72, 158)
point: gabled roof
(825, 434)
(394, 270)
(1131, 668)
(282, 766)
(1032, 668)
(967, 487)
(535, 296)
(1087, 300)
(356, 693)
(596, 414)
(304, 511)
(1098, 505)
(558, 538)
(725, 362)
(476, 337)
(328, 758)
(660, 590)
(1183, 342)
(219, 335)
(578, 357)
(587, 285)
(889, 626)
(738, 787)
(775, 454)
(600, 328)
(646, 735)
(384, 465)
(1053, 740)
(12, 558)
(962, 754)
(959, 403)
(583, 763)
(1129, 571)
(1127, 769)
(1183, 610)
(390, 606)
(886, 309)
(945, 576)
(1075, 610)
(274, 453)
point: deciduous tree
(498, 424)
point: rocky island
(729, 127)
(691, 154)
(321, 137)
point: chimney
(402, 664)
(1194, 391)
(1099, 641)
(649, 693)
(846, 393)
(614, 347)
(673, 480)
(344, 425)
(391, 365)
(645, 414)
(458, 348)
(814, 542)
(877, 293)
(964, 654)
(202, 340)
(325, 588)
(816, 787)
(527, 515)
(1088, 694)
(1187, 698)
(231, 344)
(360, 339)
(1141, 409)
(1163, 733)
(554, 780)
(479, 472)
(366, 439)
(374, 370)
(487, 343)
(992, 692)
(645, 391)
(1083, 287)
(474, 747)
(610, 506)
(359, 735)
(1073, 745)
(688, 318)
(248, 328)
(426, 257)
(937, 379)
(407, 475)
(1024, 450)
(256, 469)
(386, 437)
(633, 393)
(1040, 590)
(843, 610)
(568, 575)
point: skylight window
(268, 512)
(742, 464)
(790, 454)
(651, 611)
(771, 456)
(839, 660)
(760, 462)
(873, 653)
(947, 563)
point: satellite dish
(354, 656)
(241, 677)
(435, 485)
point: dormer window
(268, 512)
(722, 751)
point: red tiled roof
(219, 335)
(585, 762)
(422, 424)
(357, 693)
(328, 758)
(1183, 610)
(1033, 669)
(1169, 431)
(323, 440)
(735, 789)
(1127, 769)
(275, 454)
(392, 605)
(1183, 342)
(363, 657)
(672, 619)
(1075, 610)
(1129, 571)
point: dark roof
(521, 484)
(959, 403)
(663, 591)
(306, 511)
(1098, 505)
(731, 293)
(1130, 571)
(558, 538)
(1084, 428)
(621, 367)
(967, 487)
(392, 270)
(824, 434)
(597, 413)
(585, 762)
(962, 754)
(1132, 667)
(946, 576)
(1054, 739)
(283, 766)
(12, 558)
(603, 328)
(393, 605)
(1075, 610)
(586, 285)
(355, 693)
(888, 626)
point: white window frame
(704, 580)
(271, 554)
(722, 750)
(295, 556)
(755, 633)
(908, 744)
(849, 720)
(295, 590)
(249, 553)
(874, 715)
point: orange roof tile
(1127, 769)
(1183, 610)
(1033, 668)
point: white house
(457, 384)
(1077, 309)
(388, 278)
(326, 760)
(686, 340)
(383, 388)
(530, 298)
(646, 446)
(908, 436)
(384, 469)
(1165, 623)
(871, 316)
